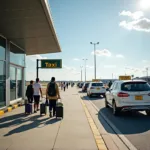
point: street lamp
(147, 73)
(94, 56)
(85, 68)
(81, 72)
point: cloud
(69, 68)
(35, 57)
(138, 25)
(76, 59)
(110, 66)
(103, 52)
(145, 61)
(136, 15)
(90, 67)
(119, 56)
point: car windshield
(97, 84)
(87, 84)
(135, 86)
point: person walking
(64, 86)
(37, 91)
(67, 85)
(53, 95)
(29, 92)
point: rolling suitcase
(28, 108)
(59, 110)
(43, 109)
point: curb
(10, 108)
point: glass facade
(19, 82)
(2, 72)
(17, 56)
(12, 83)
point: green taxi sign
(51, 63)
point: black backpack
(52, 89)
(29, 91)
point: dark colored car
(85, 86)
(81, 84)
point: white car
(96, 88)
(132, 95)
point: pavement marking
(116, 130)
(1, 112)
(15, 106)
(98, 138)
(9, 109)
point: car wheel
(90, 95)
(116, 111)
(148, 112)
(106, 103)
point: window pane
(19, 82)
(12, 83)
(135, 86)
(17, 56)
(97, 84)
(2, 84)
(2, 48)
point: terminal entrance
(16, 82)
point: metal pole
(147, 74)
(85, 70)
(95, 58)
(37, 68)
(81, 74)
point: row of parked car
(93, 88)
(123, 95)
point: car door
(88, 88)
(111, 91)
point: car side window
(115, 86)
(112, 86)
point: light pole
(81, 72)
(85, 68)
(94, 56)
(147, 73)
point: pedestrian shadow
(12, 117)
(34, 124)
(52, 121)
(126, 122)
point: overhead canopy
(28, 23)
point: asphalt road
(134, 126)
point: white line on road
(116, 130)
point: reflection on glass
(2, 84)
(17, 56)
(19, 83)
(12, 83)
(2, 48)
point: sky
(122, 28)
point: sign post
(48, 64)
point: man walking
(29, 92)
(53, 95)
(37, 91)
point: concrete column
(7, 73)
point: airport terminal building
(26, 28)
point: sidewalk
(33, 132)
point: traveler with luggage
(29, 92)
(53, 95)
(37, 91)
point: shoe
(35, 111)
(38, 109)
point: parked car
(81, 84)
(84, 87)
(132, 95)
(96, 88)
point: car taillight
(121, 94)
(92, 88)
